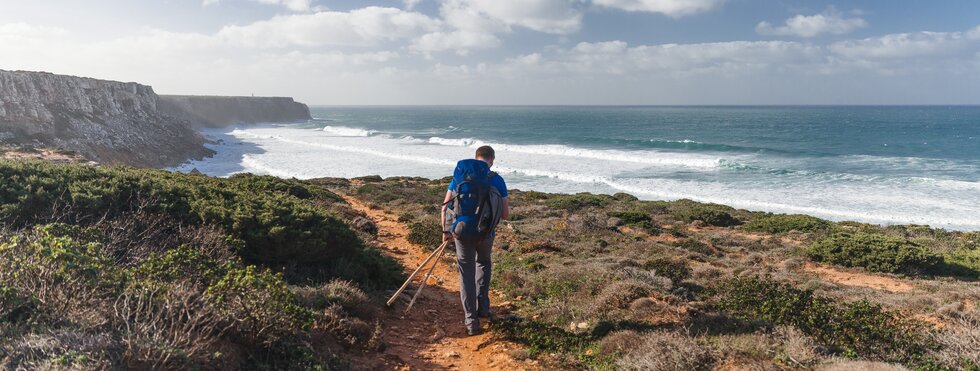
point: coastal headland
(122, 122)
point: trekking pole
(426, 279)
(417, 270)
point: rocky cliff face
(106, 121)
(207, 111)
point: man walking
(475, 202)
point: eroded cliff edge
(123, 122)
(106, 121)
(212, 111)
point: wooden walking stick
(426, 279)
(417, 270)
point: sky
(488, 52)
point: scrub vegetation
(107, 267)
(613, 282)
(104, 267)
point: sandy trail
(432, 336)
(860, 279)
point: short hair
(485, 152)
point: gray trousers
(473, 260)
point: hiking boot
(473, 331)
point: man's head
(485, 153)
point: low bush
(782, 223)
(625, 197)
(259, 304)
(340, 292)
(853, 329)
(963, 261)
(427, 234)
(578, 201)
(694, 246)
(272, 220)
(174, 308)
(874, 252)
(710, 214)
(620, 294)
(675, 269)
(637, 219)
(541, 338)
(662, 350)
(63, 268)
(630, 217)
(15, 306)
(399, 191)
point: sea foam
(746, 181)
(342, 131)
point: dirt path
(860, 279)
(432, 335)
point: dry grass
(166, 329)
(660, 350)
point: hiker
(475, 202)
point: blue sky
(512, 51)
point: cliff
(106, 121)
(209, 111)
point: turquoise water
(876, 164)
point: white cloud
(548, 16)
(462, 41)
(359, 27)
(905, 46)
(673, 8)
(410, 4)
(675, 60)
(25, 31)
(474, 24)
(294, 5)
(830, 21)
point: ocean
(886, 165)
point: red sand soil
(860, 279)
(431, 336)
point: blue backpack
(473, 210)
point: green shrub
(630, 217)
(344, 293)
(637, 219)
(541, 338)
(183, 263)
(675, 269)
(178, 308)
(710, 214)
(273, 218)
(369, 179)
(60, 265)
(15, 306)
(578, 201)
(874, 252)
(854, 329)
(782, 223)
(963, 261)
(259, 304)
(427, 234)
(625, 197)
(251, 183)
(655, 207)
(694, 246)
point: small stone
(452, 354)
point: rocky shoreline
(122, 122)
